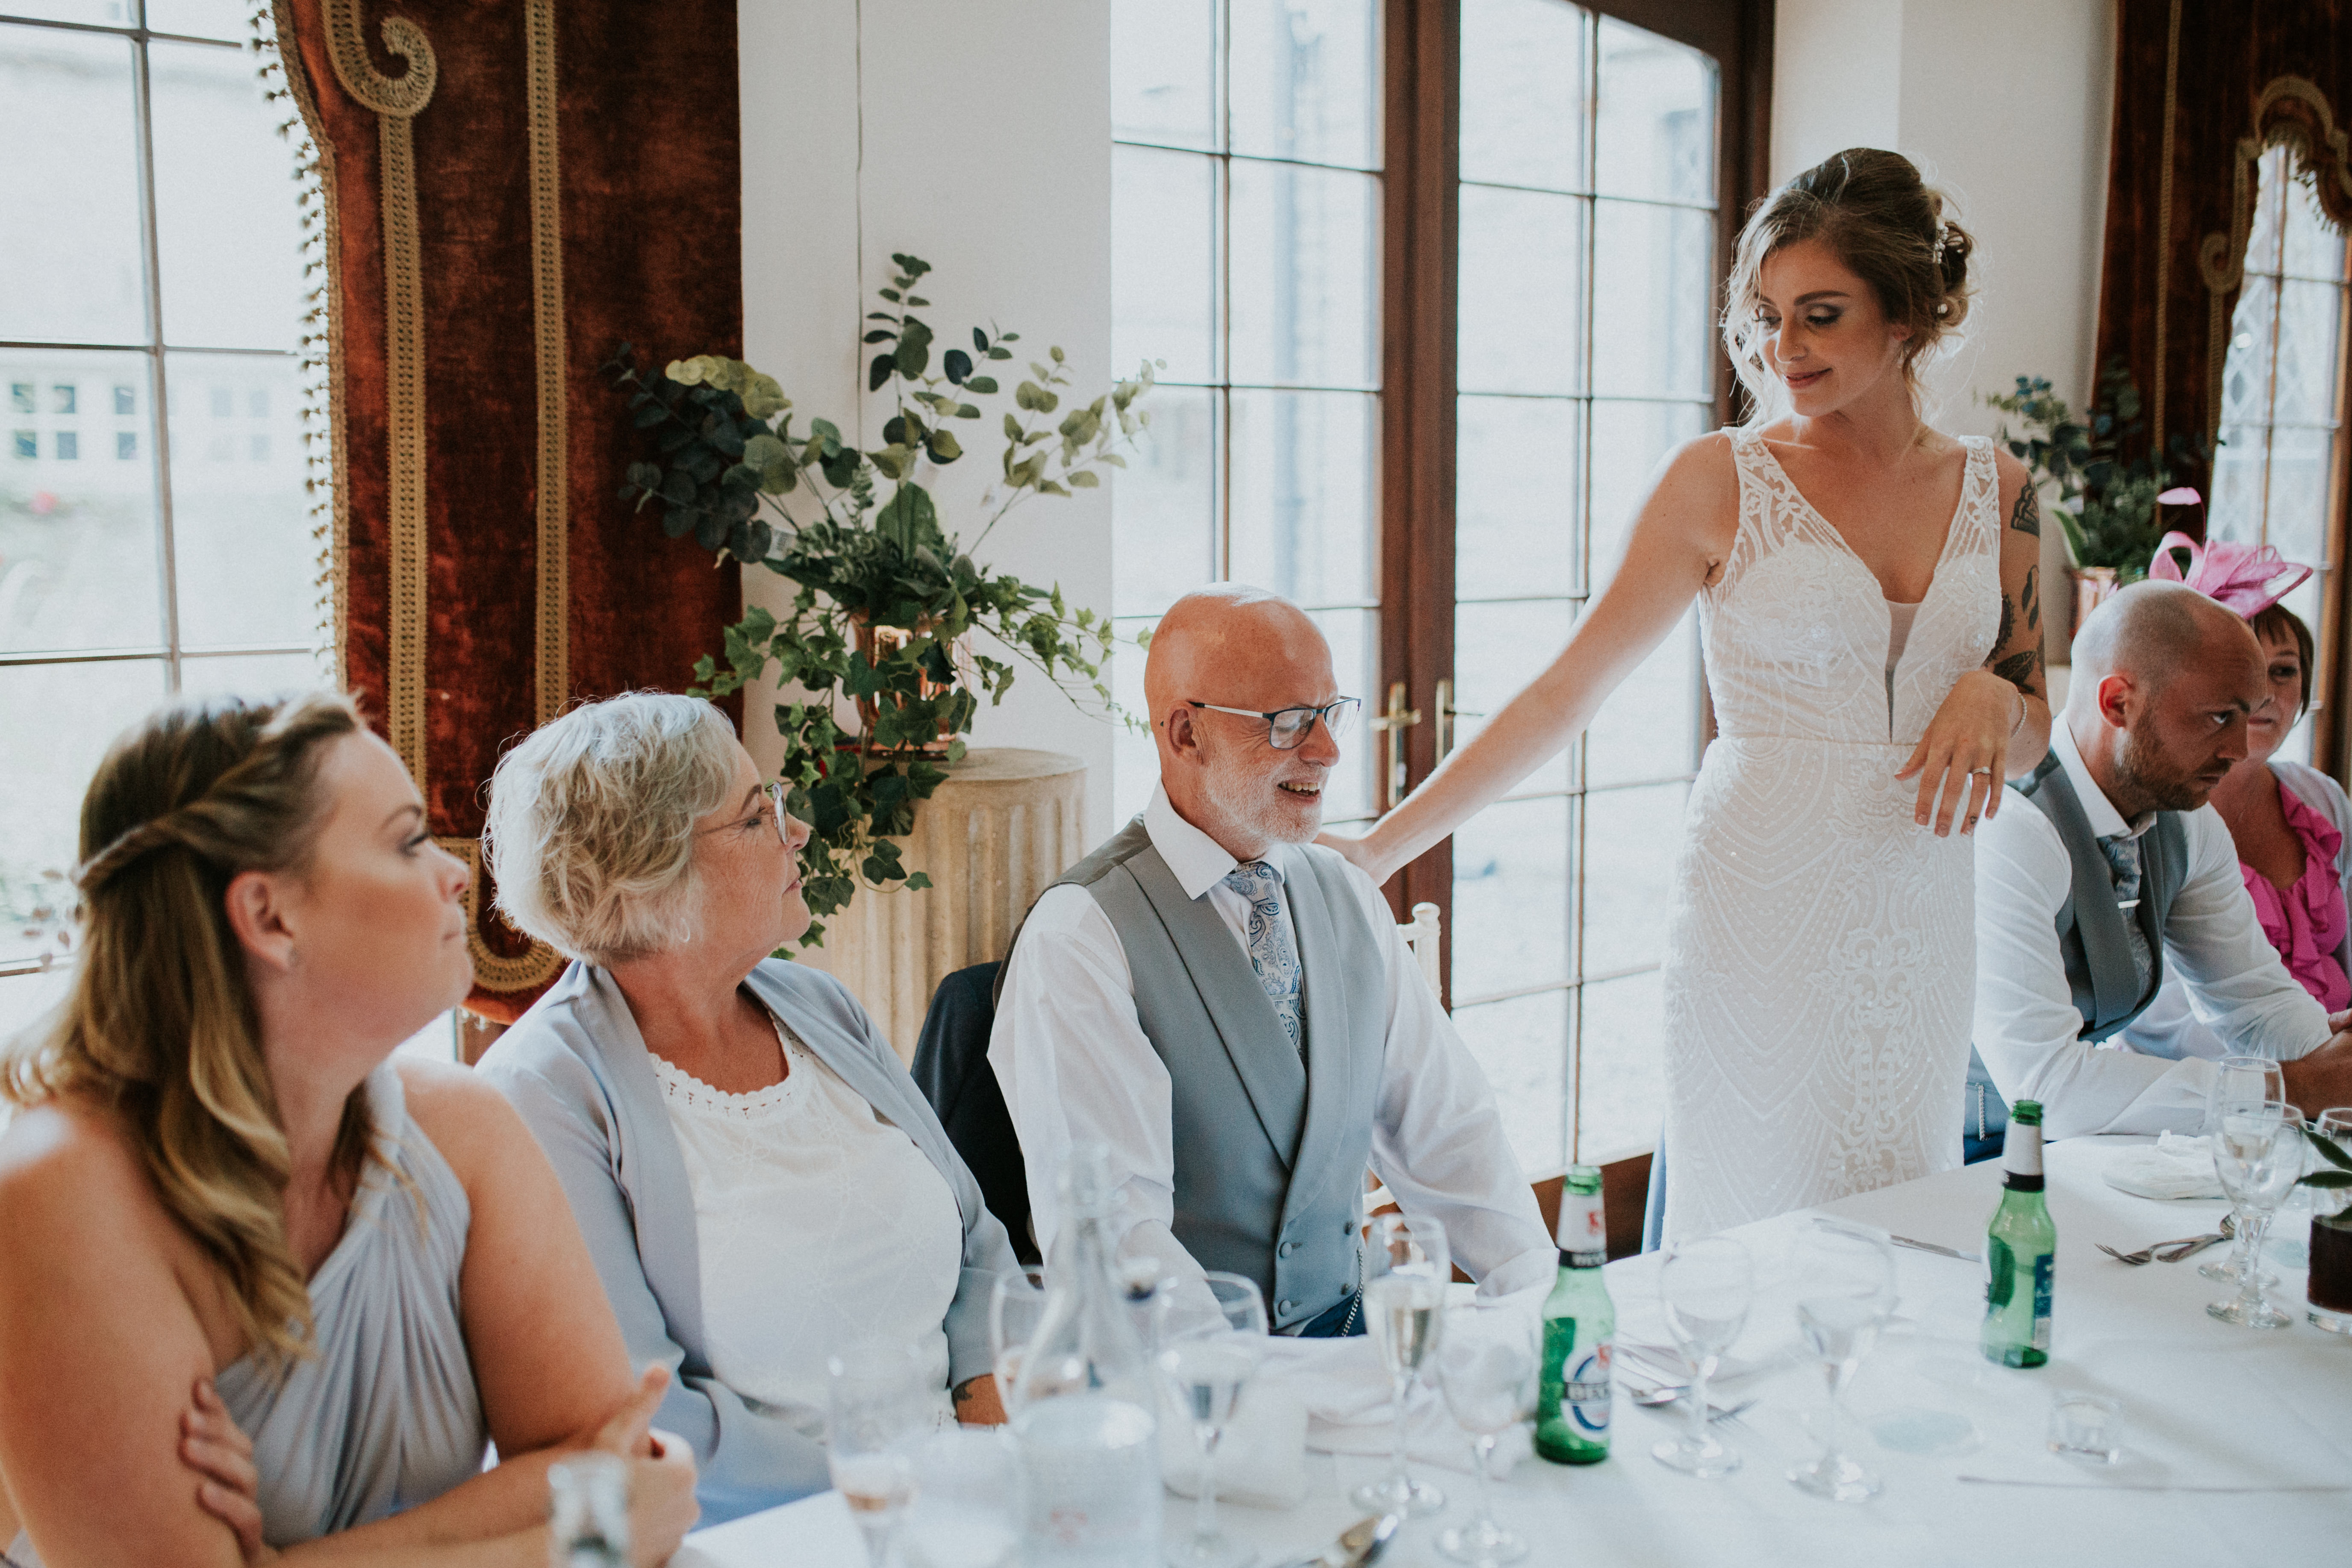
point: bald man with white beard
(1229, 1009)
(2113, 866)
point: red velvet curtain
(2202, 87)
(513, 190)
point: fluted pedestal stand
(1006, 824)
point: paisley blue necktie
(1272, 953)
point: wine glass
(1706, 1287)
(1486, 1365)
(1211, 1334)
(1406, 1269)
(965, 1512)
(1015, 1307)
(878, 1403)
(2258, 1154)
(1846, 1285)
(2238, 1081)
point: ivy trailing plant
(886, 599)
(2105, 503)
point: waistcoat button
(1285, 1307)
(1285, 1249)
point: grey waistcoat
(1270, 1153)
(2091, 935)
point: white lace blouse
(818, 1223)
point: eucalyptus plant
(2105, 502)
(859, 534)
(2335, 1180)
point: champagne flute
(877, 1405)
(966, 1509)
(2258, 1154)
(1487, 1366)
(1846, 1280)
(2238, 1081)
(1406, 1269)
(1211, 1335)
(1706, 1286)
(1015, 1307)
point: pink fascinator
(2246, 578)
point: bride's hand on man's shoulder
(1356, 852)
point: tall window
(2277, 475)
(1587, 252)
(154, 533)
(1245, 222)
(1561, 168)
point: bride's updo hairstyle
(1886, 224)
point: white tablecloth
(2205, 1406)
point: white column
(1003, 826)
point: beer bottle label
(2043, 1267)
(1585, 1393)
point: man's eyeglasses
(1287, 728)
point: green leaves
(2105, 472)
(914, 349)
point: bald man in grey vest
(2106, 865)
(1229, 1009)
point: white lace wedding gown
(1821, 944)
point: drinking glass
(2238, 1081)
(2329, 1291)
(2258, 1154)
(879, 1405)
(1487, 1367)
(1706, 1287)
(1015, 1307)
(1406, 1269)
(1211, 1334)
(966, 1503)
(1846, 1285)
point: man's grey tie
(2122, 850)
(1272, 951)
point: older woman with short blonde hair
(758, 1179)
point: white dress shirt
(1075, 1065)
(2027, 1026)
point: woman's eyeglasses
(1287, 728)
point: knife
(1931, 1247)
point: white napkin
(2171, 1167)
(1349, 1408)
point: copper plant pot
(2094, 586)
(873, 643)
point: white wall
(986, 152)
(2007, 104)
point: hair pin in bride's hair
(1937, 255)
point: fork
(2165, 1249)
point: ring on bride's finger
(1974, 772)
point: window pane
(254, 675)
(1652, 286)
(1164, 503)
(1653, 125)
(1306, 261)
(70, 250)
(1306, 523)
(98, 12)
(201, 19)
(1515, 497)
(246, 564)
(1521, 256)
(77, 710)
(1620, 1068)
(1522, 1044)
(1631, 836)
(1637, 437)
(2237, 508)
(2300, 468)
(1523, 93)
(1511, 897)
(77, 540)
(226, 231)
(1163, 62)
(2312, 247)
(1164, 262)
(1306, 80)
(1648, 729)
(2263, 235)
(1498, 648)
(1355, 639)
(2246, 368)
(2308, 339)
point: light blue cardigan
(576, 1067)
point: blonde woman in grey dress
(264, 1287)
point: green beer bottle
(2020, 1249)
(1580, 1328)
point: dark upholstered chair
(951, 1069)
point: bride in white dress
(1871, 614)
